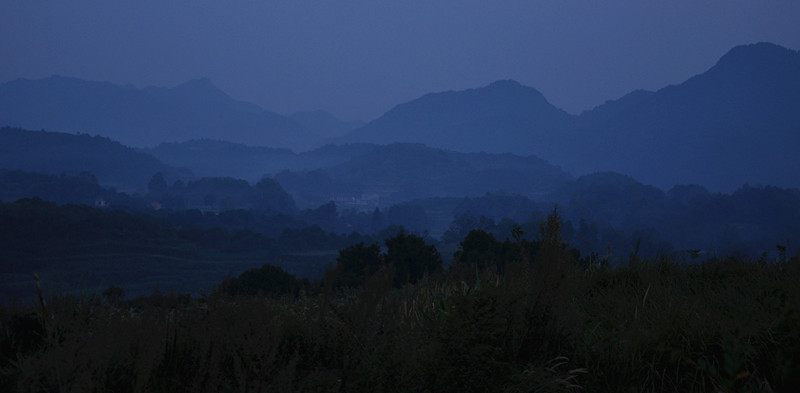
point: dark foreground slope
(78, 249)
(542, 323)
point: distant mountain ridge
(738, 122)
(145, 117)
(490, 118)
(57, 153)
(400, 172)
(215, 158)
(391, 173)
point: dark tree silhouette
(358, 262)
(411, 257)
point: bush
(540, 324)
(266, 280)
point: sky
(358, 59)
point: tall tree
(411, 257)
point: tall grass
(542, 325)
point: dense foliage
(82, 188)
(221, 194)
(347, 189)
(541, 323)
(80, 248)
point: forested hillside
(517, 315)
(59, 153)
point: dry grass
(653, 326)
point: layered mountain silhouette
(738, 122)
(393, 173)
(56, 153)
(216, 158)
(501, 117)
(145, 117)
(400, 172)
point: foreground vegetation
(519, 317)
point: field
(537, 324)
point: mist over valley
(651, 166)
(482, 215)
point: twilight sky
(357, 59)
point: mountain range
(54, 153)
(736, 123)
(499, 118)
(386, 173)
(398, 172)
(358, 175)
(364, 187)
(153, 115)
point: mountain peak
(758, 55)
(509, 89)
(492, 118)
(505, 83)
